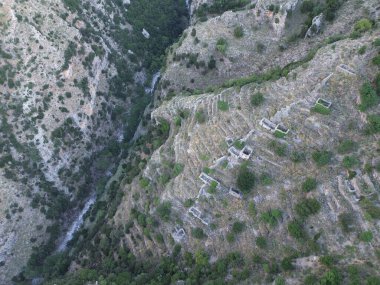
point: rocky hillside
(270, 172)
(75, 77)
(257, 162)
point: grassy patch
(279, 148)
(223, 106)
(246, 179)
(322, 157)
(368, 97)
(257, 99)
(347, 146)
(309, 184)
(307, 207)
(318, 108)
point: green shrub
(246, 179)
(327, 260)
(266, 179)
(238, 227)
(373, 280)
(363, 25)
(362, 50)
(309, 184)
(332, 277)
(271, 217)
(350, 161)
(200, 116)
(260, 47)
(257, 99)
(370, 208)
(373, 126)
(221, 45)
(307, 207)
(212, 188)
(347, 146)
(346, 222)
(366, 236)
(287, 264)
(321, 157)
(198, 233)
(252, 209)
(188, 203)
(144, 182)
(321, 110)
(279, 148)
(307, 6)
(239, 32)
(223, 106)
(368, 97)
(164, 210)
(297, 157)
(261, 242)
(178, 168)
(230, 237)
(239, 144)
(376, 60)
(296, 230)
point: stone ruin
(346, 69)
(196, 213)
(235, 193)
(178, 233)
(324, 103)
(272, 127)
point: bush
(346, 222)
(223, 106)
(307, 207)
(373, 126)
(370, 208)
(239, 32)
(322, 157)
(271, 217)
(177, 169)
(347, 146)
(200, 116)
(246, 179)
(164, 210)
(188, 203)
(296, 230)
(350, 161)
(327, 260)
(221, 45)
(278, 148)
(362, 50)
(238, 227)
(309, 184)
(211, 63)
(307, 6)
(261, 242)
(257, 99)
(286, 264)
(266, 179)
(297, 157)
(198, 233)
(368, 97)
(260, 47)
(366, 236)
(363, 25)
